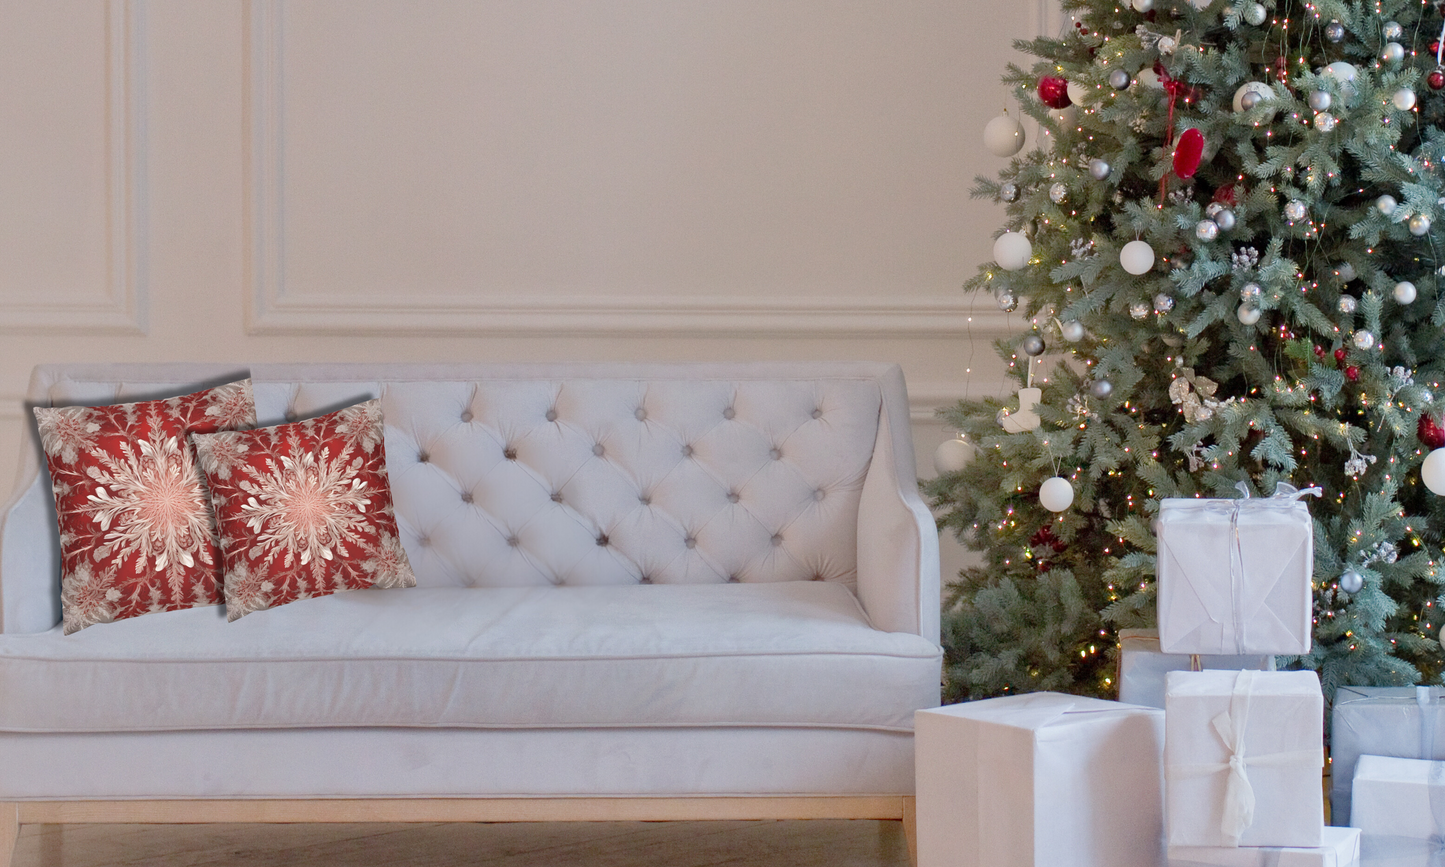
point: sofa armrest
(898, 567)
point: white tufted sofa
(644, 591)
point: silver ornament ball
(1099, 169)
(1335, 31)
(1325, 122)
(1101, 388)
(1249, 100)
(1394, 52)
(1392, 30)
(1163, 303)
(1404, 99)
(1058, 193)
(1009, 192)
(1363, 340)
(1348, 304)
(1250, 292)
(1295, 211)
(1320, 100)
(1206, 230)
(1072, 330)
(1139, 310)
(1404, 292)
(1119, 79)
(1032, 345)
(1225, 220)
(1386, 204)
(1007, 301)
(1255, 13)
(1419, 225)
(1352, 581)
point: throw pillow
(136, 531)
(304, 509)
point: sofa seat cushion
(786, 654)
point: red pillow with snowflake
(136, 532)
(304, 509)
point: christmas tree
(1226, 254)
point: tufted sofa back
(578, 474)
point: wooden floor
(811, 843)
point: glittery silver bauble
(1404, 99)
(1255, 13)
(1250, 99)
(1324, 121)
(1166, 45)
(1320, 100)
(1363, 339)
(1225, 220)
(1404, 292)
(1386, 204)
(1007, 301)
(1099, 169)
(1058, 193)
(1419, 224)
(1009, 192)
(1335, 31)
(1119, 79)
(1392, 30)
(1206, 230)
(1213, 208)
(1072, 330)
(1250, 292)
(1351, 581)
(1101, 388)
(1348, 304)
(1163, 303)
(1247, 314)
(1032, 345)
(1345, 271)
(1393, 52)
(1295, 211)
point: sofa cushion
(785, 654)
(304, 509)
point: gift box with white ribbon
(1042, 779)
(1340, 847)
(1234, 575)
(1242, 758)
(1406, 722)
(1400, 806)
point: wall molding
(122, 305)
(278, 308)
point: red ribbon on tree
(1175, 89)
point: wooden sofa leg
(9, 832)
(910, 828)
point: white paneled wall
(500, 179)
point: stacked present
(1228, 774)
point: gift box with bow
(1406, 722)
(1242, 758)
(1234, 575)
(1339, 848)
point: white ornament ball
(1247, 314)
(1149, 78)
(1393, 30)
(1058, 194)
(1386, 204)
(1012, 251)
(1351, 581)
(1261, 91)
(1056, 494)
(951, 456)
(1348, 304)
(1432, 472)
(1394, 52)
(1419, 225)
(1065, 117)
(1345, 74)
(1255, 13)
(1139, 310)
(1364, 340)
(1101, 388)
(1163, 303)
(1404, 292)
(1404, 99)
(1137, 257)
(1142, 5)
(1345, 271)
(1072, 330)
(1324, 121)
(1003, 136)
(1077, 92)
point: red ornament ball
(1188, 152)
(1435, 46)
(1340, 354)
(1054, 92)
(1352, 373)
(1436, 79)
(1226, 195)
(1320, 351)
(1431, 434)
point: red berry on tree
(1340, 354)
(1352, 373)
(1319, 351)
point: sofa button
(602, 540)
(513, 541)
(818, 495)
(777, 539)
(556, 496)
(775, 453)
(687, 451)
(291, 415)
(509, 453)
(640, 415)
(645, 500)
(551, 415)
(732, 579)
(422, 457)
(817, 413)
(467, 417)
(598, 450)
(817, 577)
(729, 413)
(466, 496)
(690, 542)
(423, 541)
(645, 579)
(733, 496)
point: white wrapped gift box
(1242, 758)
(1399, 798)
(1234, 575)
(1340, 847)
(1142, 666)
(1041, 779)
(1406, 722)
(1378, 851)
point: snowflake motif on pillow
(304, 509)
(136, 531)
